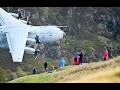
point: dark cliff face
(89, 29)
(100, 20)
(92, 19)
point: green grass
(41, 78)
(102, 71)
(33, 79)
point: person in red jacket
(105, 54)
(73, 62)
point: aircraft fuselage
(45, 34)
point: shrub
(87, 46)
(20, 72)
(103, 40)
(5, 75)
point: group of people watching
(62, 63)
(77, 59)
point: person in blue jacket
(62, 62)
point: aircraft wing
(17, 41)
(16, 33)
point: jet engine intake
(31, 41)
(29, 50)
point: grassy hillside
(102, 71)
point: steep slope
(103, 71)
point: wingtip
(17, 60)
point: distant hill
(97, 72)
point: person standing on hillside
(73, 62)
(78, 59)
(62, 62)
(110, 50)
(34, 70)
(81, 58)
(105, 54)
(75, 57)
(45, 66)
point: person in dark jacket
(78, 59)
(110, 50)
(45, 66)
(81, 58)
(34, 71)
